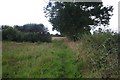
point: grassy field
(94, 56)
(38, 60)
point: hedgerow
(102, 51)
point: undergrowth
(100, 51)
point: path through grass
(43, 60)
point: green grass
(91, 57)
(38, 60)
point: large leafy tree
(75, 18)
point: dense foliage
(102, 52)
(75, 18)
(28, 32)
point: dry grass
(82, 55)
(58, 38)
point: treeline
(27, 32)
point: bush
(102, 49)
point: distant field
(39, 60)
(58, 38)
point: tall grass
(34, 60)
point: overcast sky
(20, 12)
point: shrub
(102, 51)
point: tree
(4, 27)
(32, 28)
(9, 34)
(76, 18)
(27, 32)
